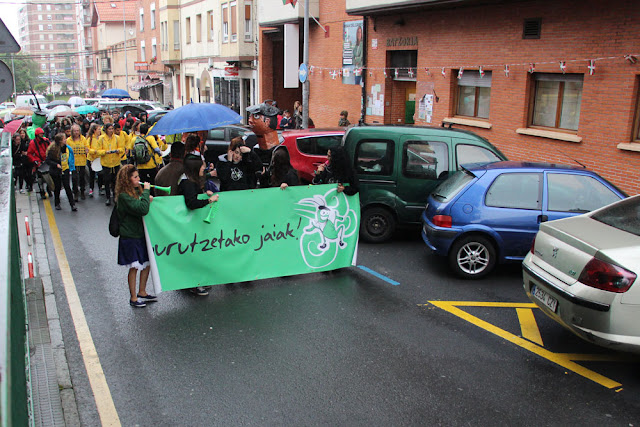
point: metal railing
(14, 403)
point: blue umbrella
(115, 93)
(195, 117)
(86, 109)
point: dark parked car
(487, 214)
(218, 140)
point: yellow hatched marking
(564, 360)
(528, 325)
(102, 394)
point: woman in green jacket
(132, 203)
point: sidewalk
(52, 393)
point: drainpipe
(363, 103)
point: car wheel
(472, 257)
(377, 225)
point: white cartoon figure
(326, 221)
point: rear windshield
(453, 185)
(624, 215)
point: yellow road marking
(102, 394)
(528, 325)
(564, 360)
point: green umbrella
(86, 109)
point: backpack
(141, 152)
(114, 222)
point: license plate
(546, 299)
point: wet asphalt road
(340, 348)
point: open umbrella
(67, 113)
(76, 101)
(115, 93)
(55, 103)
(86, 109)
(22, 111)
(12, 126)
(60, 108)
(195, 117)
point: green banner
(251, 235)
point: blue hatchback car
(488, 214)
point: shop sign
(402, 41)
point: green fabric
(130, 213)
(251, 235)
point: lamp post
(126, 65)
(305, 59)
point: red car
(308, 148)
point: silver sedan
(582, 271)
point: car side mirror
(443, 175)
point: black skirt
(132, 253)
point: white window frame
(153, 16)
(234, 22)
(225, 24)
(176, 35)
(141, 20)
(154, 48)
(248, 23)
(143, 55)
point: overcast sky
(10, 15)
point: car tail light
(606, 276)
(442, 221)
(533, 246)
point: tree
(25, 70)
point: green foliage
(25, 70)
(39, 87)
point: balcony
(272, 13)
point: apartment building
(47, 32)
(114, 44)
(152, 82)
(85, 62)
(209, 48)
(543, 80)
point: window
(318, 145)
(153, 16)
(199, 28)
(143, 56)
(141, 20)
(41, 36)
(41, 27)
(234, 21)
(162, 37)
(516, 191)
(50, 36)
(49, 27)
(225, 24)
(248, 24)
(43, 66)
(39, 7)
(374, 157)
(556, 100)
(473, 154)
(187, 30)
(210, 25)
(176, 35)
(42, 47)
(48, 7)
(474, 94)
(425, 160)
(49, 17)
(577, 193)
(636, 125)
(154, 49)
(105, 64)
(39, 17)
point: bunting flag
(427, 71)
(481, 71)
(346, 72)
(370, 73)
(460, 71)
(334, 74)
(291, 2)
(632, 59)
(385, 74)
(444, 73)
(411, 72)
(311, 70)
(357, 72)
(563, 67)
(532, 67)
(592, 67)
(506, 70)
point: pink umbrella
(12, 126)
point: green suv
(399, 166)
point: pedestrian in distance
(287, 121)
(191, 185)
(338, 170)
(37, 155)
(110, 150)
(61, 163)
(20, 163)
(132, 203)
(344, 121)
(94, 135)
(26, 163)
(80, 147)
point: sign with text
(251, 235)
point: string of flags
(334, 73)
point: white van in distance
(29, 101)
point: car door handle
(542, 218)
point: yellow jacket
(93, 149)
(105, 144)
(151, 146)
(80, 148)
(125, 142)
(163, 146)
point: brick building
(515, 72)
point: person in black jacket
(280, 173)
(237, 169)
(337, 170)
(190, 186)
(20, 162)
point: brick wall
(491, 36)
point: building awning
(145, 84)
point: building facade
(152, 82)
(553, 81)
(47, 32)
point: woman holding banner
(337, 170)
(132, 203)
(280, 173)
(191, 185)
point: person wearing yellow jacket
(80, 147)
(92, 138)
(110, 150)
(148, 170)
(126, 141)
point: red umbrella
(12, 126)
